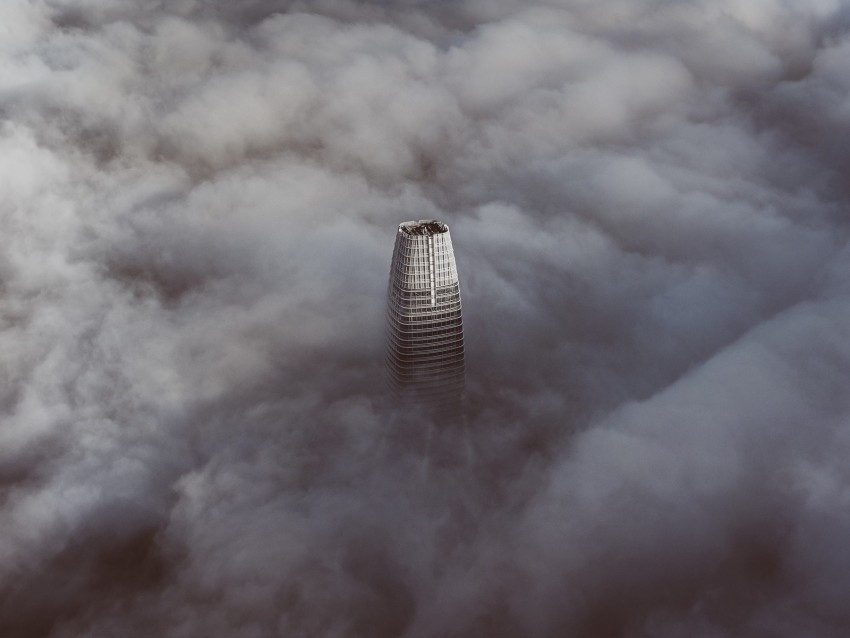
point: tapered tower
(425, 356)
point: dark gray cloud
(648, 206)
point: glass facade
(425, 356)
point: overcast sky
(648, 205)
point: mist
(647, 200)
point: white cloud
(197, 205)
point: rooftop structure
(425, 227)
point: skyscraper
(425, 356)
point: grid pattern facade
(425, 355)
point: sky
(648, 206)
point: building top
(426, 227)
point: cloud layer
(648, 206)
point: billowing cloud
(647, 202)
